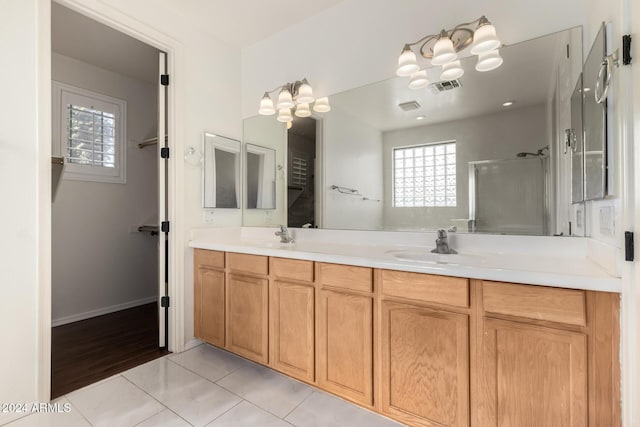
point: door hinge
(628, 246)
(164, 152)
(164, 79)
(165, 302)
(626, 49)
(164, 227)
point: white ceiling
(480, 94)
(238, 22)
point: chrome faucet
(442, 244)
(284, 235)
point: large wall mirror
(486, 153)
(221, 172)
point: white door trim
(101, 12)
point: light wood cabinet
(248, 316)
(532, 375)
(209, 297)
(292, 334)
(425, 365)
(426, 350)
(345, 345)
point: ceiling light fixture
(508, 103)
(443, 48)
(420, 118)
(292, 96)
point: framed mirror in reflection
(260, 167)
(221, 172)
(484, 153)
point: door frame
(119, 21)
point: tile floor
(204, 386)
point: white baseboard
(100, 311)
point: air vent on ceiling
(445, 86)
(408, 106)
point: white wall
(490, 137)
(352, 158)
(25, 175)
(98, 262)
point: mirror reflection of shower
(544, 151)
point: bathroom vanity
(448, 343)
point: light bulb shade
(266, 106)
(284, 115)
(289, 124)
(407, 63)
(285, 100)
(451, 71)
(489, 61)
(322, 105)
(418, 80)
(443, 51)
(484, 39)
(302, 110)
(305, 94)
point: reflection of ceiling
(84, 39)
(526, 76)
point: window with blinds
(425, 175)
(90, 137)
(91, 134)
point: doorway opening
(109, 244)
(301, 180)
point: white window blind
(425, 175)
(90, 134)
(90, 137)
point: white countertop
(517, 259)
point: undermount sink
(427, 257)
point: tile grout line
(237, 404)
(148, 394)
(84, 417)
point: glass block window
(89, 132)
(425, 175)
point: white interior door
(162, 203)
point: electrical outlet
(208, 216)
(606, 221)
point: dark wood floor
(90, 350)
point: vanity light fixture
(292, 96)
(443, 48)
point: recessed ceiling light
(420, 118)
(508, 103)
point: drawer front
(256, 264)
(346, 277)
(535, 302)
(293, 269)
(209, 258)
(447, 290)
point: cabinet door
(292, 329)
(425, 365)
(345, 345)
(209, 305)
(248, 317)
(532, 375)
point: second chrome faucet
(442, 244)
(284, 235)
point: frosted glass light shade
(443, 51)
(284, 115)
(451, 71)
(302, 110)
(322, 105)
(418, 80)
(484, 39)
(489, 61)
(266, 106)
(284, 99)
(305, 94)
(407, 63)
